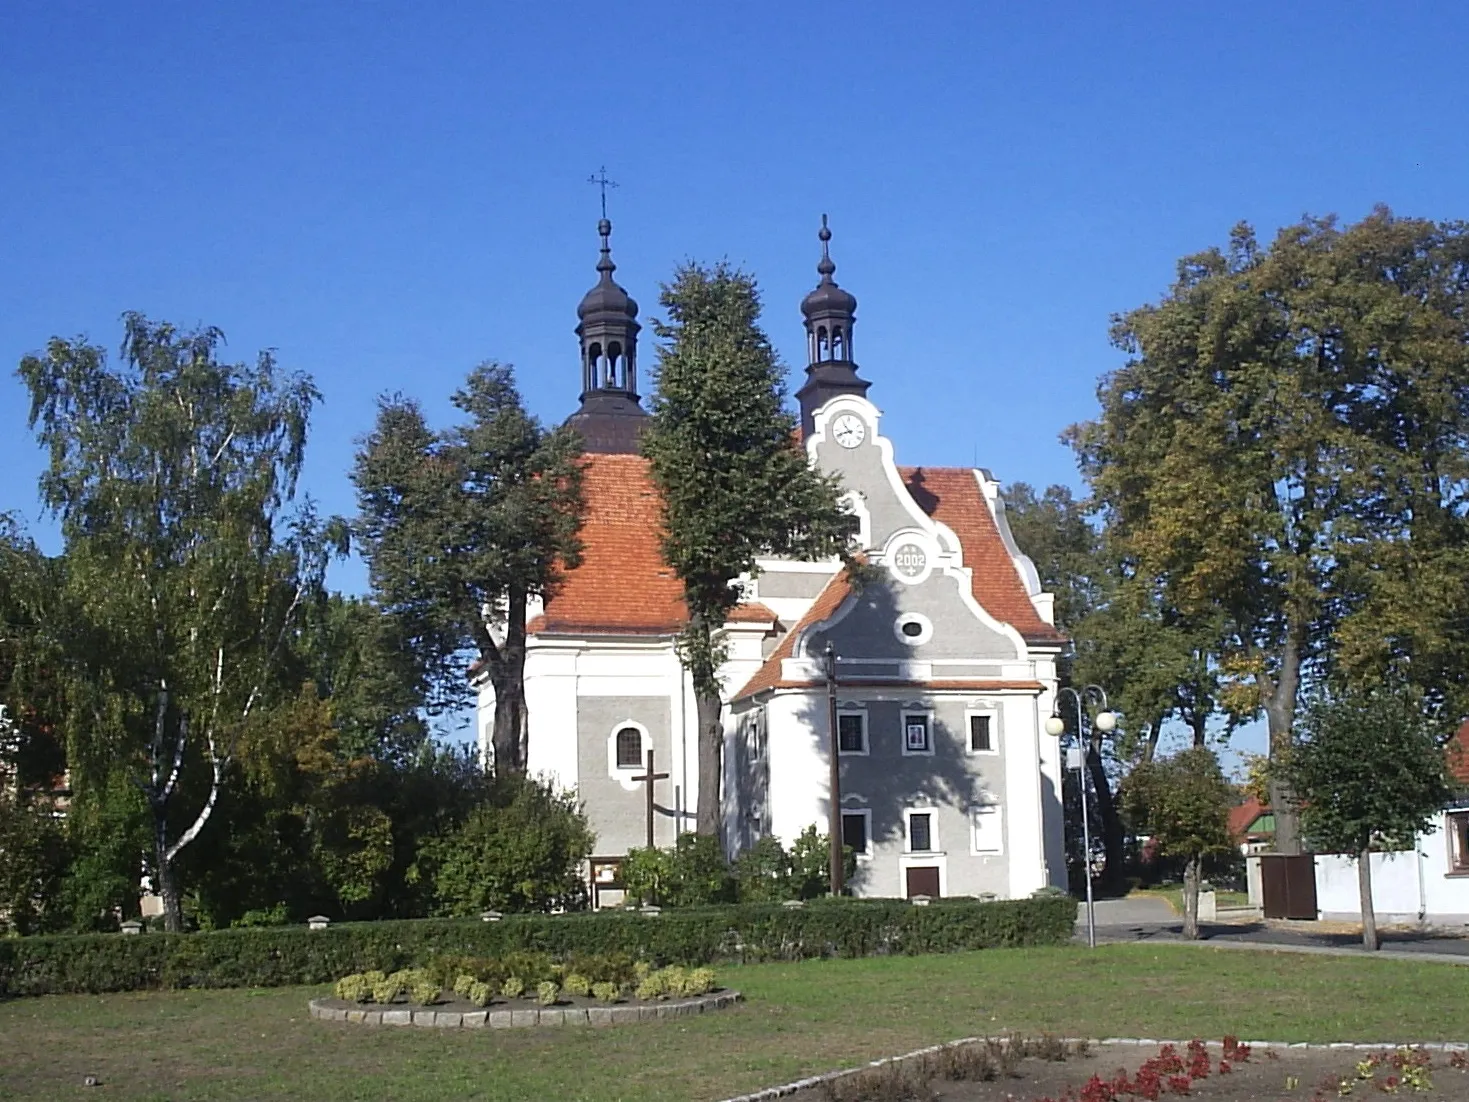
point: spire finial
(604, 262)
(825, 268)
(600, 179)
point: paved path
(1144, 920)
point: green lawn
(800, 1019)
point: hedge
(280, 956)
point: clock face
(849, 431)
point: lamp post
(1105, 721)
(834, 824)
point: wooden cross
(647, 780)
(601, 180)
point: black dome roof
(606, 297)
(827, 298)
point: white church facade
(946, 655)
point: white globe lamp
(1106, 721)
(1056, 726)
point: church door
(923, 880)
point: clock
(848, 430)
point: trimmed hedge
(280, 956)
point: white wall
(1405, 885)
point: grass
(800, 1019)
(1174, 895)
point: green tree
(733, 483)
(1368, 769)
(184, 573)
(33, 863)
(522, 851)
(460, 529)
(1183, 803)
(1282, 455)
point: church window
(981, 732)
(852, 732)
(920, 832)
(913, 628)
(917, 733)
(629, 748)
(988, 829)
(857, 831)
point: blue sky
(387, 193)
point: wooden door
(923, 880)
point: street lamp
(1105, 721)
(834, 824)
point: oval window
(912, 629)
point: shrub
(699, 982)
(652, 987)
(546, 992)
(387, 989)
(577, 984)
(523, 851)
(513, 988)
(626, 945)
(605, 992)
(463, 983)
(478, 993)
(354, 988)
(424, 992)
(673, 980)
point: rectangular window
(988, 829)
(981, 733)
(920, 832)
(916, 735)
(852, 732)
(1458, 835)
(854, 831)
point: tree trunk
(1364, 890)
(710, 819)
(1191, 879)
(165, 882)
(1107, 811)
(507, 674)
(1280, 712)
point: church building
(945, 662)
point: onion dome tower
(830, 313)
(611, 416)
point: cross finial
(600, 179)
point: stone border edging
(785, 1089)
(525, 1018)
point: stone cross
(647, 780)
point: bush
(423, 991)
(354, 989)
(388, 989)
(546, 993)
(523, 852)
(699, 982)
(279, 956)
(513, 988)
(651, 988)
(577, 984)
(478, 993)
(462, 983)
(605, 992)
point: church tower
(611, 416)
(830, 313)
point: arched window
(823, 347)
(629, 748)
(614, 364)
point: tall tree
(185, 574)
(1286, 445)
(1183, 803)
(1368, 769)
(460, 529)
(734, 484)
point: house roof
(1241, 818)
(1456, 756)
(952, 496)
(623, 585)
(836, 590)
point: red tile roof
(1456, 755)
(624, 587)
(827, 602)
(1241, 817)
(952, 496)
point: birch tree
(185, 568)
